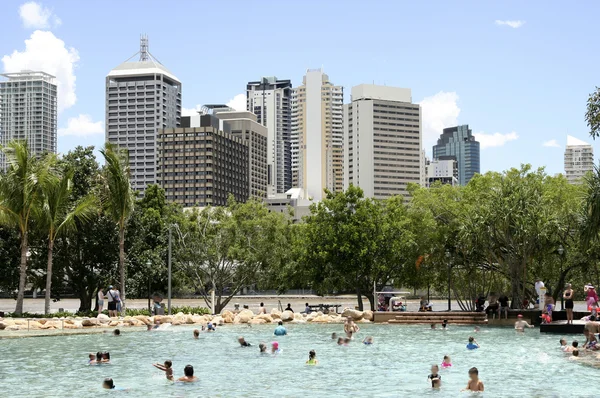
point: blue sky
(518, 73)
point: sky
(519, 73)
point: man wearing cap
(539, 285)
(521, 324)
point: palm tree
(591, 209)
(58, 215)
(118, 198)
(19, 193)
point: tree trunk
(122, 265)
(372, 302)
(359, 297)
(85, 300)
(48, 277)
(22, 273)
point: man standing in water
(521, 324)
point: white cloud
(551, 143)
(238, 102)
(495, 139)
(190, 111)
(45, 52)
(36, 16)
(512, 24)
(438, 112)
(81, 126)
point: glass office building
(459, 143)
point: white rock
(287, 316)
(356, 315)
(103, 318)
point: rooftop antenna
(144, 48)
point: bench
(324, 308)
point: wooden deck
(561, 327)
(411, 318)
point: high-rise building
(201, 163)
(383, 141)
(579, 159)
(317, 135)
(458, 142)
(270, 100)
(28, 111)
(442, 170)
(245, 126)
(141, 97)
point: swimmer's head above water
(108, 383)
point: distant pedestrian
(100, 301)
(113, 301)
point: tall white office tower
(579, 159)
(28, 111)
(270, 100)
(382, 152)
(142, 96)
(317, 135)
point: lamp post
(149, 265)
(449, 280)
(561, 251)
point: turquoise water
(397, 365)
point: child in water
(474, 383)
(472, 344)
(312, 358)
(446, 363)
(368, 340)
(167, 368)
(196, 334)
(92, 359)
(434, 377)
(263, 348)
(275, 348)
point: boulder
(287, 316)
(163, 319)
(114, 323)
(311, 316)
(243, 316)
(275, 314)
(13, 327)
(20, 322)
(144, 319)
(199, 319)
(354, 314)
(321, 319)
(103, 318)
(368, 315)
(90, 322)
(2, 325)
(296, 320)
(266, 317)
(34, 325)
(218, 320)
(227, 316)
(256, 321)
(298, 316)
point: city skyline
(510, 84)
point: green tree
(592, 114)
(57, 216)
(9, 258)
(117, 198)
(20, 188)
(225, 249)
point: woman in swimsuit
(568, 296)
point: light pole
(169, 271)
(449, 275)
(561, 251)
(149, 265)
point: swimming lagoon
(396, 365)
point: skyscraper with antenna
(142, 96)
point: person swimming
(472, 345)
(263, 348)
(92, 359)
(117, 332)
(243, 342)
(350, 327)
(196, 334)
(520, 324)
(368, 340)
(340, 341)
(188, 377)
(108, 384)
(444, 324)
(210, 327)
(275, 348)
(474, 383)
(167, 368)
(446, 363)
(433, 326)
(333, 336)
(312, 358)
(434, 377)
(106, 357)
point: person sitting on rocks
(289, 308)
(243, 342)
(307, 309)
(280, 330)
(188, 377)
(262, 309)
